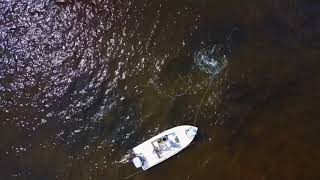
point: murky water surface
(82, 82)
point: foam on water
(211, 59)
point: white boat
(163, 146)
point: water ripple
(71, 74)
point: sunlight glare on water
(67, 67)
(83, 82)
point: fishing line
(131, 175)
(195, 119)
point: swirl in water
(211, 59)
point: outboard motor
(137, 161)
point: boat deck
(162, 146)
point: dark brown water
(82, 82)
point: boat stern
(137, 162)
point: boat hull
(164, 145)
